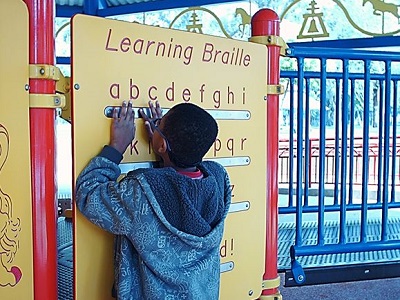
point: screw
(265, 97)
(250, 292)
(76, 86)
(300, 278)
(288, 51)
(57, 101)
(41, 71)
(27, 87)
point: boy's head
(190, 132)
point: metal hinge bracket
(46, 100)
(271, 40)
(271, 283)
(275, 89)
(44, 72)
(52, 73)
(63, 89)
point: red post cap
(265, 22)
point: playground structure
(331, 226)
(47, 91)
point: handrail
(330, 146)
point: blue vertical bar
(343, 161)
(351, 154)
(386, 149)
(337, 141)
(365, 152)
(394, 143)
(291, 143)
(299, 173)
(307, 149)
(90, 7)
(380, 141)
(322, 140)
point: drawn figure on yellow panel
(381, 7)
(10, 274)
(246, 19)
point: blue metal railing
(363, 87)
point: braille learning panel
(114, 61)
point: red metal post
(42, 140)
(266, 23)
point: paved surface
(387, 289)
(382, 289)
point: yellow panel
(15, 187)
(115, 61)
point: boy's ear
(162, 147)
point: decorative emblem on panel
(313, 25)
(194, 23)
(384, 17)
(10, 274)
(245, 17)
(380, 7)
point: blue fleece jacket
(168, 226)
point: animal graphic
(246, 19)
(380, 6)
(10, 274)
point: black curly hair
(190, 131)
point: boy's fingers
(153, 109)
(148, 129)
(158, 109)
(115, 113)
(143, 114)
(122, 114)
(130, 111)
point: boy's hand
(155, 113)
(122, 127)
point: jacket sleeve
(103, 200)
(227, 192)
(228, 189)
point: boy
(168, 222)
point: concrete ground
(382, 289)
(387, 289)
